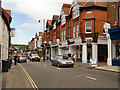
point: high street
(45, 75)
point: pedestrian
(47, 57)
(69, 55)
(74, 57)
(15, 59)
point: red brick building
(79, 30)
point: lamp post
(43, 24)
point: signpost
(12, 32)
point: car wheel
(72, 66)
(52, 64)
(58, 64)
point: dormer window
(75, 11)
(54, 26)
(63, 19)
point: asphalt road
(47, 76)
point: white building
(5, 20)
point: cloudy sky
(26, 13)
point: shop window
(88, 26)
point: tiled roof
(66, 8)
(56, 17)
(49, 22)
(102, 3)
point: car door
(56, 60)
(53, 60)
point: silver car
(62, 61)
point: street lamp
(39, 21)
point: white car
(34, 57)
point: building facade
(5, 20)
(80, 31)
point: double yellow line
(29, 78)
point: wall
(113, 12)
(4, 39)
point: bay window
(88, 27)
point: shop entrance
(102, 53)
(89, 52)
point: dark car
(22, 59)
(62, 61)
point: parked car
(34, 57)
(62, 61)
(22, 59)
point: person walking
(15, 59)
(74, 57)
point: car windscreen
(34, 55)
(22, 56)
(56, 57)
(60, 57)
(63, 57)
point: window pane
(74, 32)
(77, 30)
(88, 26)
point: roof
(6, 17)
(49, 22)
(66, 8)
(102, 3)
(56, 17)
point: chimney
(40, 33)
(36, 35)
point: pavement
(100, 66)
(15, 78)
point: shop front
(115, 44)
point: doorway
(102, 53)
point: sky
(26, 13)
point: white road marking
(91, 78)
(78, 75)
(59, 68)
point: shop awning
(114, 33)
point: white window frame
(54, 26)
(63, 19)
(74, 31)
(88, 27)
(76, 12)
(77, 30)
